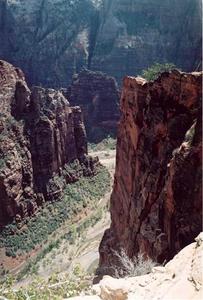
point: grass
(77, 196)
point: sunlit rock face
(156, 198)
(180, 276)
(52, 39)
(39, 134)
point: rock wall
(156, 198)
(135, 34)
(98, 96)
(53, 39)
(39, 134)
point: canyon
(156, 199)
(51, 40)
(101, 158)
(41, 135)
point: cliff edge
(156, 198)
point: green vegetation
(108, 143)
(73, 234)
(155, 70)
(55, 288)
(77, 196)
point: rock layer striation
(156, 198)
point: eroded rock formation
(156, 198)
(98, 96)
(51, 39)
(39, 134)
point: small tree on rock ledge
(155, 70)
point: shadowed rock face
(135, 34)
(51, 39)
(40, 133)
(156, 198)
(98, 96)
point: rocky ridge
(156, 198)
(53, 39)
(181, 278)
(41, 134)
(98, 96)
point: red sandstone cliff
(156, 198)
(39, 134)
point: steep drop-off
(156, 198)
(52, 39)
(40, 133)
(181, 278)
(98, 96)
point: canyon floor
(83, 252)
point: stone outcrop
(40, 133)
(181, 278)
(156, 198)
(98, 96)
(51, 39)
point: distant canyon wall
(53, 39)
(156, 200)
(98, 96)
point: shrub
(131, 267)
(189, 136)
(55, 288)
(155, 70)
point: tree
(155, 70)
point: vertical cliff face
(135, 34)
(156, 198)
(47, 38)
(51, 39)
(40, 133)
(98, 96)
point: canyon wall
(135, 34)
(39, 134)
(52, 39)
(98, 96)
(156, 198)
